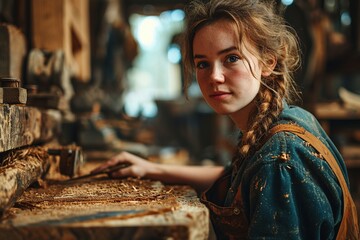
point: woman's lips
(219, 95)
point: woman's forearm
(198, 177)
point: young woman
(278, 186)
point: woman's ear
(269, 67)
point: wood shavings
(23, 154)
(154, 204)
(20, 168)
(131, 189)
(63, 200)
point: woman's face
(225, 79)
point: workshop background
(86, 79)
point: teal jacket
(295, 198)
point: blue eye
(201, 65)
(232, 59)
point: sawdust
(10, 157)
(100, 202)
(62, 200)
(125, 191)
(18, 170)
(103, 202)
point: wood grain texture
(18, 170)
(103, 208)
(64, 24)
(23, 126)
(12, 51)
(19, 126)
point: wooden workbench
(102, 208)
(95, 208)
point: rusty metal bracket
(11, 92)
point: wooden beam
(19, 169)
(12, 51)
(19, 126)
(64, 24)
(22, 126)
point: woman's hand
(199, 177)
(139, 167)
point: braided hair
(258, 23)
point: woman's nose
(216, 74)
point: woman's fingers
(131, 171)
(112, 162)
(136, 168)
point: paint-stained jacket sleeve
(290, 192)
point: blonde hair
(258, 23)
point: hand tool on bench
(71, 158)
(104, 171)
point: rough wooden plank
(71, 34)
(12, 51)
(80, 34)
(102, 208)
(96, 233)
(19, 169)
(19, 126)
(22, 126)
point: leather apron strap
(349, 224)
